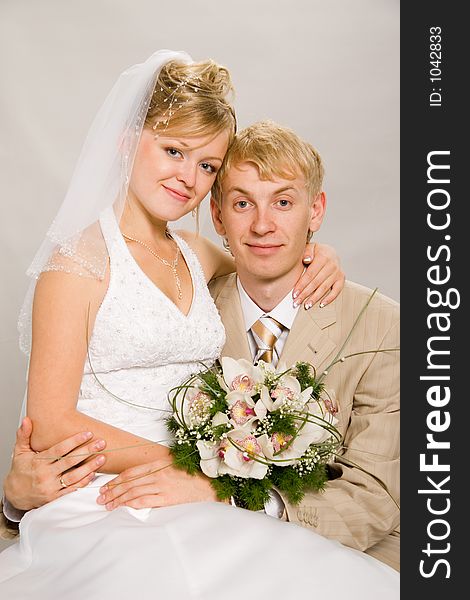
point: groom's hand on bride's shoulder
(36, 478)
(154, 485)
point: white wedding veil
(74, 242)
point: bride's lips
(264, 249)
(175, 194)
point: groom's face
(266, 222)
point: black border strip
(434, 526)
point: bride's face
(172, 175)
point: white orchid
(243, 409)
(220, 418)
(286, 393)
(330, 402)
(211, 457)
(285, 450)
(237, 454)
(240, 376)
(243, 455)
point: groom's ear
(217, 217)
(317, 209)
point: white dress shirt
(285, 314)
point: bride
(119, 315)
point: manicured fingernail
(100, 460)
(109, 506)
(100, 444)
(308, 305)
(100, 499)
(322, 304)
(295, 304)
(295, 294)
(103, 489)
(87, 435)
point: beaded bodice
(142, 345)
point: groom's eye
(241, 204)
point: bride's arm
(64, 308)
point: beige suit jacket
(354, 509)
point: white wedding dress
(73, 549)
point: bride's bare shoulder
(213, 259)
(198, 242)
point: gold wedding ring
(62, 482)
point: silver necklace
(171, 265)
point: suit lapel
(228, 303)
(308, 340)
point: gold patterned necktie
(265, 339)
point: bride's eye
(208, 168)
(173, 152)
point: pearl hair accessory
(172, 99)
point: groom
(266, 201)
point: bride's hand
(154, 485)
(323, 278)
(35, 478)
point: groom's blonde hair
(276, 151)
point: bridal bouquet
(250, 427)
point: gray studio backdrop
(328, 69)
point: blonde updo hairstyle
(276, 151)
(192, 100)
